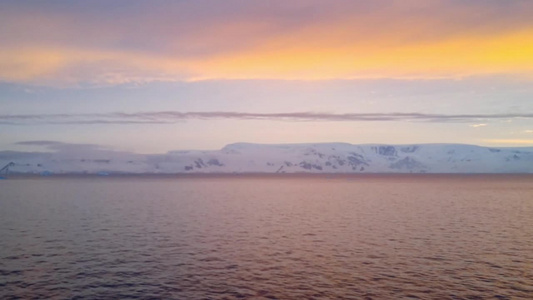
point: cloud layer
(66, 42)
(169, 117)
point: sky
(154, 76)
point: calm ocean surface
(373, 237)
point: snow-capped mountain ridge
(285, 158)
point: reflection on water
(380, 237)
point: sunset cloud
(158, 75)
(93, 42)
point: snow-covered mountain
(283, 158)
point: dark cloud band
(169, 117)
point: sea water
(267, 237)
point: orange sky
(444, 57)
(305, 40)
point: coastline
(245, 176)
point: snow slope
(283, 158)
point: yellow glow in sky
(298, 41)
(511, 53)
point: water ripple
(298, 238)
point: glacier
(244, 158)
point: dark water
(400, 237)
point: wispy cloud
(104, 42)
(478, 125)
(169, 117)
(40, 143)
(67, 147)
(510, 141)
